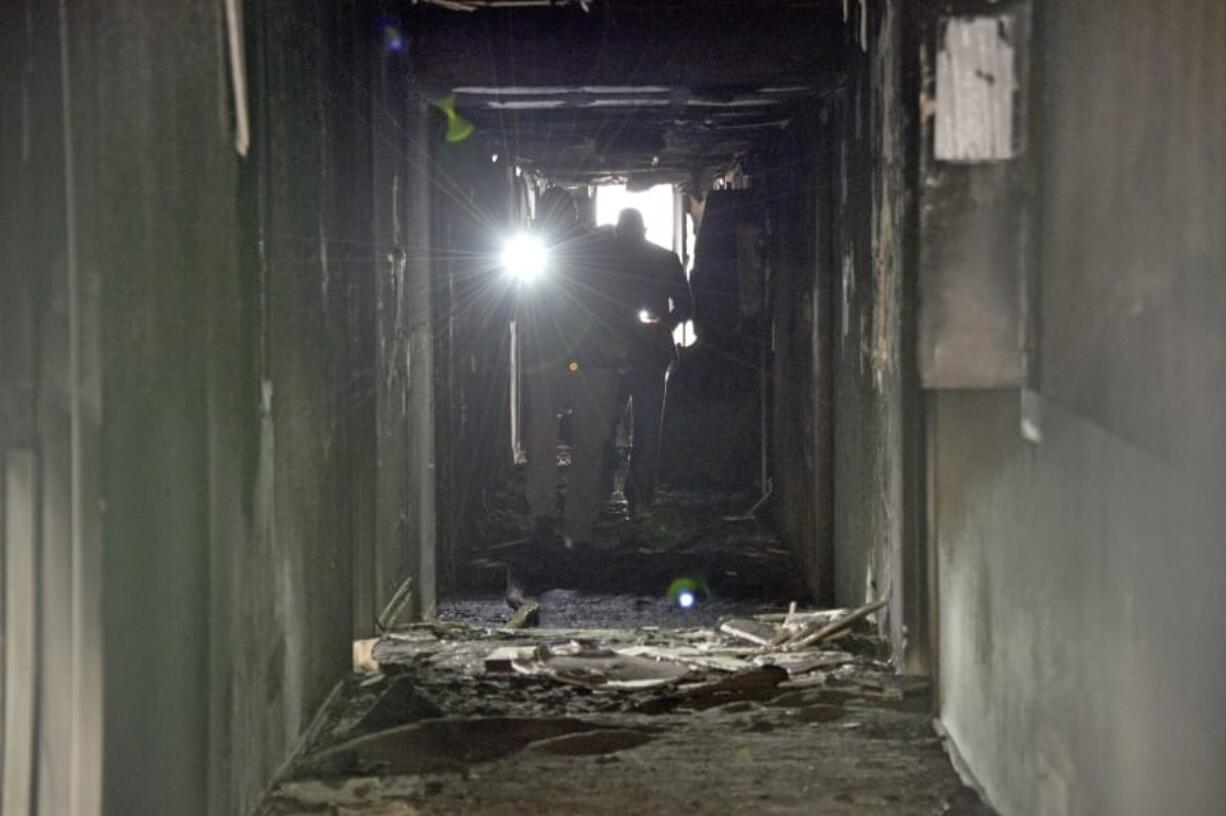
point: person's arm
(679, 293)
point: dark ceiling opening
(668, 92)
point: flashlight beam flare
(524, 258)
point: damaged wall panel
(977, 84)
(974, 201)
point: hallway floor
(618, 696)
(460, 717)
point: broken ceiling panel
(631, 88)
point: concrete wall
(1080, 579)
(189, 368)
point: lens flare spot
(684, 592)
(458, 128)
(393, 38)
(524, 258)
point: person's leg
(541, 441)
(593, 395)
(647, 397)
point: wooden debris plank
(803, 640)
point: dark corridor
(938, 513)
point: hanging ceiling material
(629, 90)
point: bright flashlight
(523, 258)
(685, 599)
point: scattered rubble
(525, 698)
(753, 631)
(586, 664)
(661, 714)
(816, 632)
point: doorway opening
(669, 225)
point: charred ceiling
(600, 5)
(647, 92)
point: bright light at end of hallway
(685, 599)
(524, 258)
(656, 204)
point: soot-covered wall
(875, 516)
(844, 396)
(798, 187)
(190, 352)
(1080, 578)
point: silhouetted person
(570, 354)
(654, 284)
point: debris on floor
(464, 717)
(665, 678)
(587, 664)
(816, 631)
(753, 631)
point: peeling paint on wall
(976, 83)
